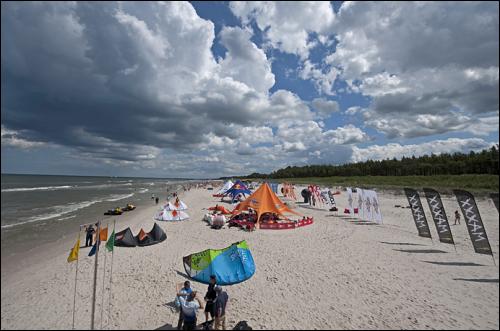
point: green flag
(111, 242)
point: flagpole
(111, 276)
(103, 279)
(76, 278)
(95, 273)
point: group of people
(269, 218)
(215, 305)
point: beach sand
(334, 274)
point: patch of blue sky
(285, 69)
(219, 13)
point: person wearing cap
(220, 308)
(189, 307)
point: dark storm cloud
(93, 76)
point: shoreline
(61, 236)
(371, 274)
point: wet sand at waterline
(337, 273)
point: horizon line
(107, 176)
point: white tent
(171, 215)
(227, 185)
(172, 206)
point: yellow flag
(73, 255)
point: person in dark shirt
(90, 233)
(457, 217)
(210, 299)
(220, 308)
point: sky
(210, 89)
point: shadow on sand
(420, 250)
(458, 264)
(388, 243)
(362, 222)
(167, 326)
(180, 273)
(478, 280)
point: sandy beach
(334, 274)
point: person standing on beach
(457, 217)
(94, 239)
(157, 200)
(182, 291)
(220, 308)
(189, 307)
(90, 234)
(210, 298)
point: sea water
(38, 209)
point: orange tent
(263, 200)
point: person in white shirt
(183, 290)
(189, 308)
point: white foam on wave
(143, 190)
(104, 185)
(43, 188)
(120, 197)
(66, 218)
(58, 211)
(61, 210)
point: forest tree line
(483, 162)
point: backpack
(242, 325)
(207, 325)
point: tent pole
(103, 279)
(111, 277)
(95, 273)
(76, 278)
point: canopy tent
(155, 236)
(125, 238)
(172, 215)
(227, 185)
(230, 265)
(238, 188)
(263, 200)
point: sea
(39, 209)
